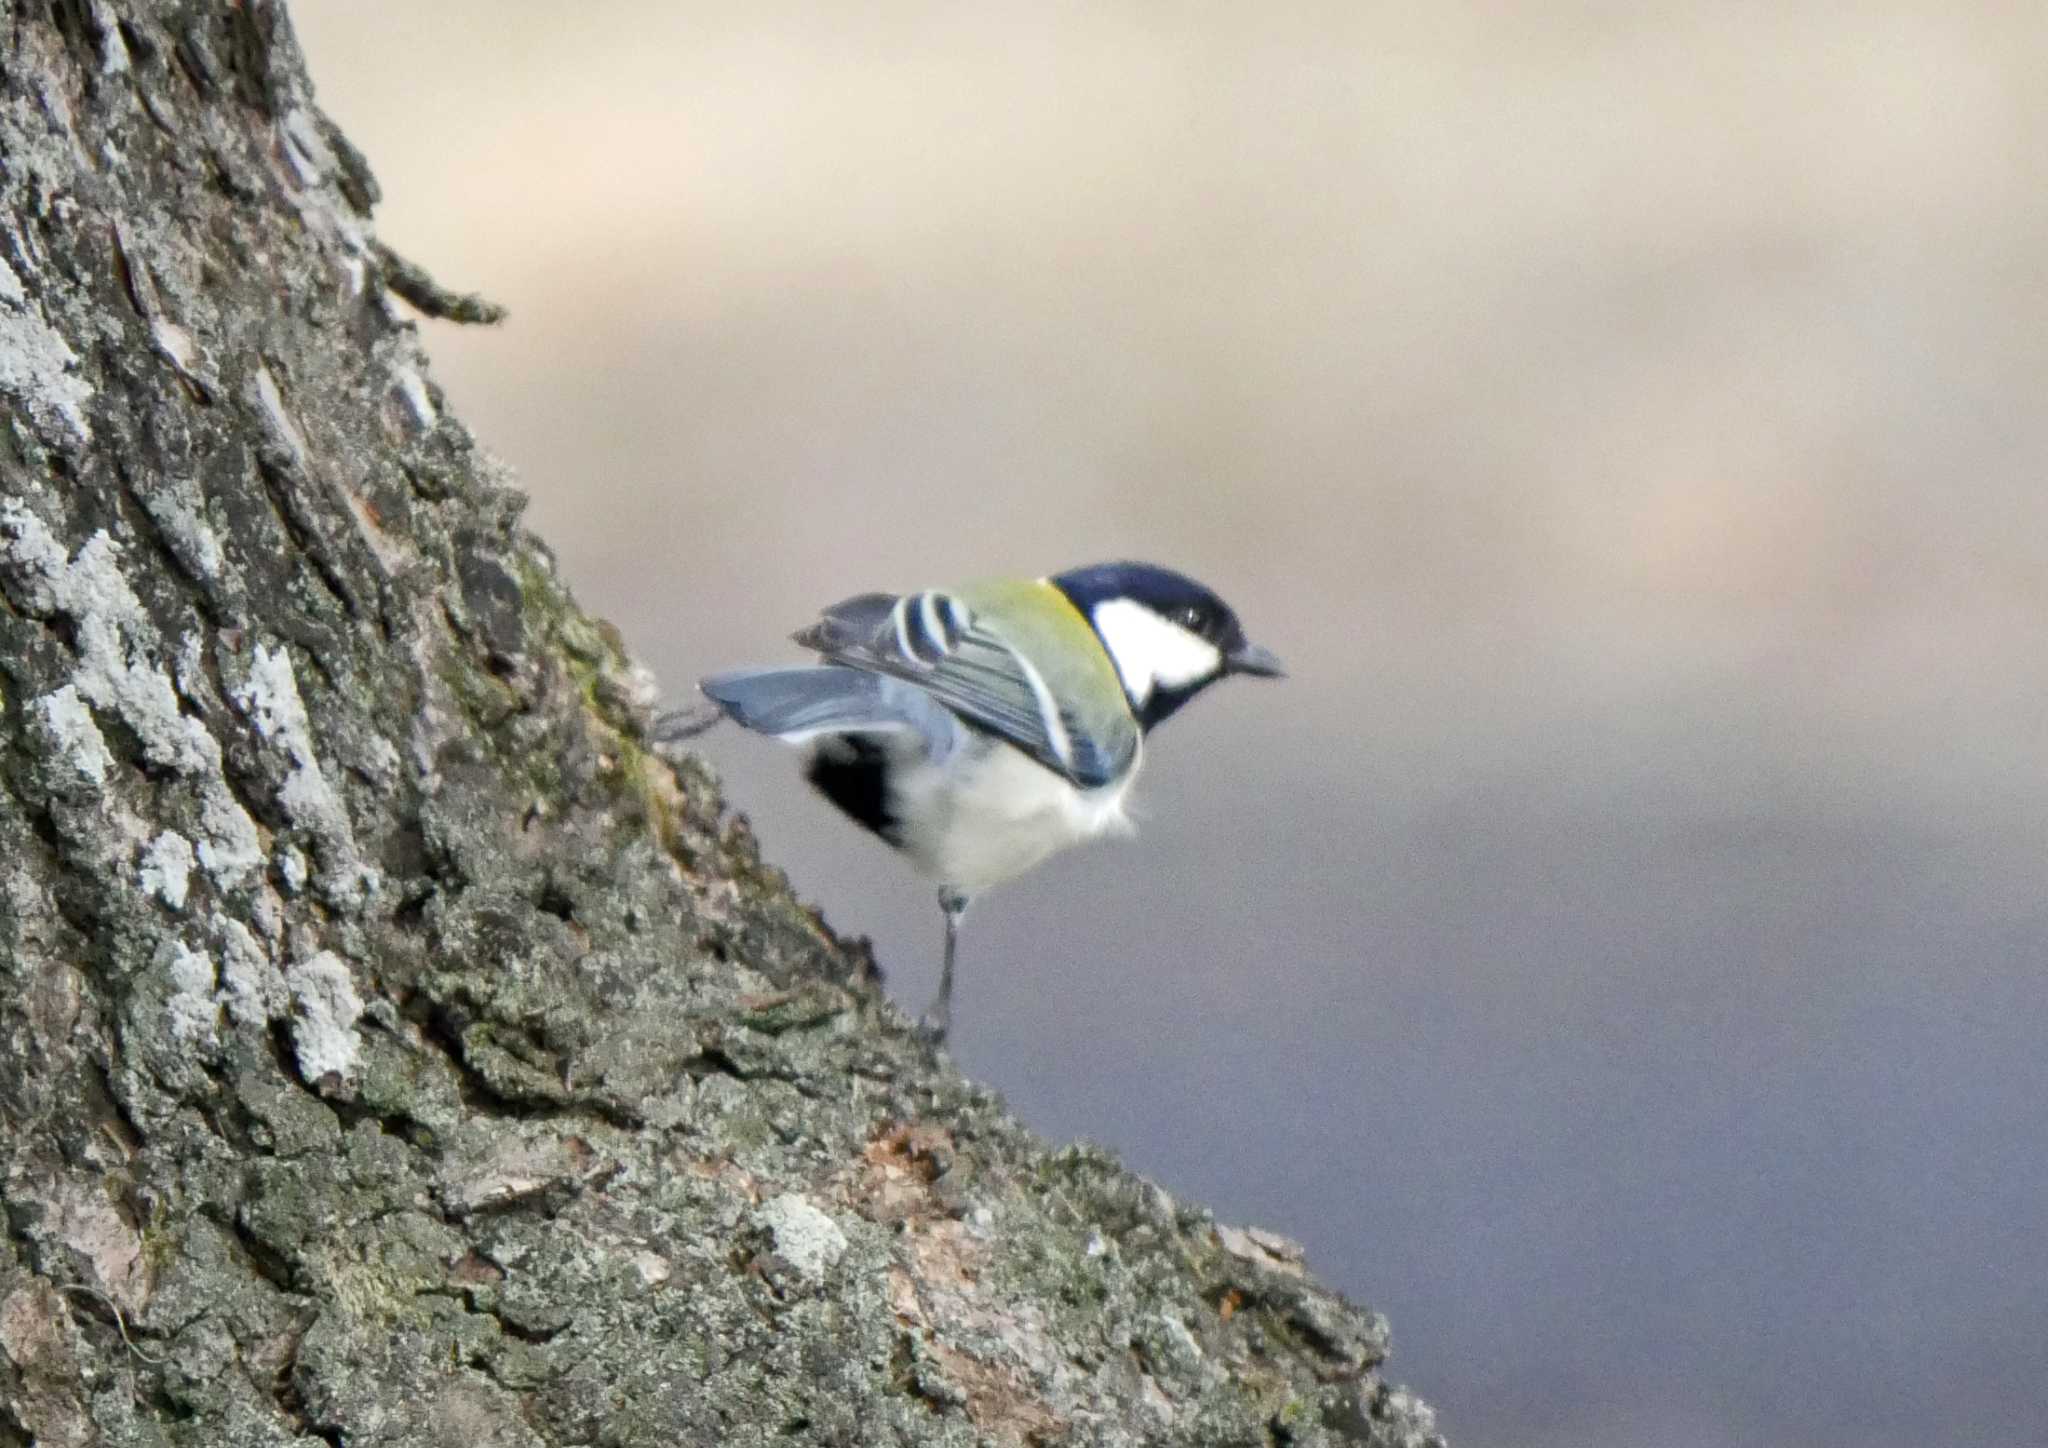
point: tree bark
(393, 1049)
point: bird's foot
(932, 1027)
(674, 726)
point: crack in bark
(303, 531)
(440, 1027)
(13, 1432)
(266, 1261)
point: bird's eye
(1189, 617)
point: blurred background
(1617, 951)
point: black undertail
(852, 771)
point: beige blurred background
(1617, 951)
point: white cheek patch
(1152, 652)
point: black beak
(1251, 659)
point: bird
(980, 729)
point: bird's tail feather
(799, 703)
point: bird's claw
(674, 726)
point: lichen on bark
(393, 1049)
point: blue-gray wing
(932, 640)
(803, 702)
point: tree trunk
(393, 1049)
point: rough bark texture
(393, 1050)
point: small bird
(980, 729)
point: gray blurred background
(1617, 952)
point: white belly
(990, 813)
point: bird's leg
(936, 1020)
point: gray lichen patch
(268, 695)
(165, 869)
(252, 988)
(805, 1235)
(178, 508)
(325, 1010)
(38, 370)
(194, 1005)
(117, 646)
(72, 735)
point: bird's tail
(799, 703)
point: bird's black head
(1169, 636)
